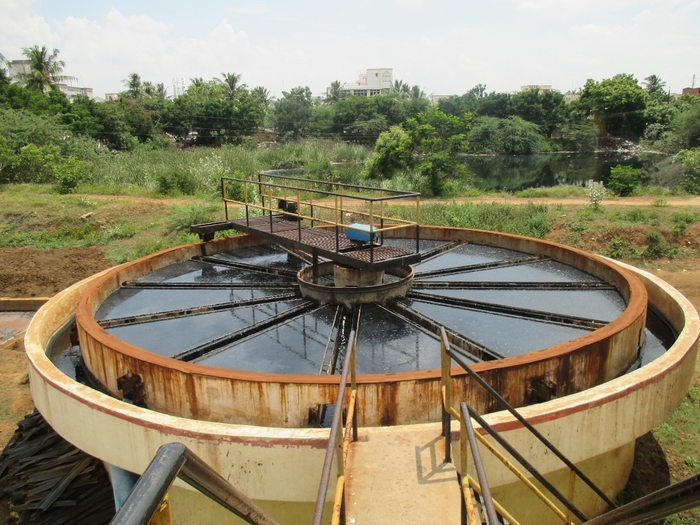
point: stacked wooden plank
(46, 480)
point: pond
(518, 172)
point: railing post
(418, 223)
(353, 385)
(447, 395)
(223, 195)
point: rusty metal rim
(331, 294)
(86, 305)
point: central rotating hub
(330, 283)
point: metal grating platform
(328, 243)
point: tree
(293, 112)
(392, 153)
(401, 90)
(493, 105)
(134, 86)
(261, 96)
(417, 93)
(232, 85)
(45, 70)
(4, 75)
(334, 93)
(690, 161)
(547, 109)
(617, 105)
(654, 84)
(686, 125)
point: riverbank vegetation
(146, 140)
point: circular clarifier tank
(237, 331)
(222, 347)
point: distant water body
(519, 172)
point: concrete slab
(396, 478)
(12, 323)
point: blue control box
(358, 232)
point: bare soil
(28, 272)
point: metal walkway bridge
(344, 223)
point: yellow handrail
(467, 481)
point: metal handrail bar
(333, 438)
(657, 505)
(375, 229)
(175, 460)
(329, 193)
(468, 508)
(339, 184)
(491, 517)
(499, 508)
(268, 206)
(526, 464)
(536, 432)
(449, 410)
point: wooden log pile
(46, 480)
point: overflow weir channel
(334, 314)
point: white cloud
(21, 27)
(250, 10)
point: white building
(17, 68)
(542, 88)
(372, 82)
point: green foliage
(620, 248)
(175, 181)
(36, 164)
(617, 103)
(690, 161)
(182, 217)
(681, 221)
(532, 220)
(429, 144)
(623, 180)
(686, 124)
(320, 169)
(657, 247)
(578, 136)
(637, 216)
(293, 112)
(68, 174)
(512, 136)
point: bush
(596, 192)
(690, 160)
(68, 174)
(623, 180)
(658, 247)
(174, 181)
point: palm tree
(4, 75)
(401, 90)
(45, 71)
(196, 82)
(417, 93)
(334, 93)
(231, 85)
(654, 84)
(134, 87)
(261, 95)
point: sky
(444, 46)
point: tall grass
(531, 220)
(198, 171)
